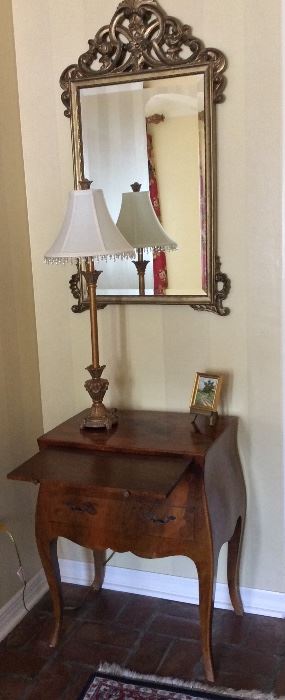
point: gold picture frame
(206, 393)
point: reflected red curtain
(160, 282)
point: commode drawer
(159, 520)
(82, 508)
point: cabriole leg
(234, 548)
(207, 577)
(48, 554)
(99, 556)
(46, 539)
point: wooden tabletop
(140, 432)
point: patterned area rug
(115, 683)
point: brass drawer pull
(159, 521)
(84, 508)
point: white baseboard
(13, 612)
(258, 602)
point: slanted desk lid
(150, 476)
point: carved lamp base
(107, 420)
(99, 416)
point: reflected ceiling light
(140, 226)
(89, 233)
(175, 105)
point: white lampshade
(139, 224)
(88, 230)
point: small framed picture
(206, 393)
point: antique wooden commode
(152, 485)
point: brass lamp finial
(136, 187)
(85, 184)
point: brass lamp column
(99, 416)
(141, 264)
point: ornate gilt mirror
(142, 106)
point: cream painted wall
(20, 401)
(152, 353)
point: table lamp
(140, 226)
(89, 233)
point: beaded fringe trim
(72, 260)
(111, 256)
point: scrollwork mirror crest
(153, 58)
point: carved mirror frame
(143, 42)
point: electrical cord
(109, 558)
(20, 572)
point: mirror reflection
(152, 132)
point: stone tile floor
(144, 634)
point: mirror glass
(152, 132)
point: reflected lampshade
(88, 231)
(139, 224)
